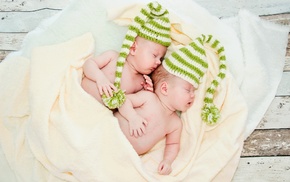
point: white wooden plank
(221, 8)
(3, 54)
(287, 62)
(11, 41)
(284, 86)
(283, 19)
(277, 115)
(23, 21)
(274, 142)
(227, 8)
(31, 5)
(12, 21)
(263, 169)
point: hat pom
(210, 114)
(116, 100)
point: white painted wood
(287, 63)
(221, 8)
(263, 169)
(31, 5)
(23, 21)
(11, 41)
(284, 86)
(277, 115)
(3, 54)
(12, 21)
(283, 19)
(270, 142)
(227, 8)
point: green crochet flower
(210, 114)
(116, 100)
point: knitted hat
(190, 64)
(152, 23)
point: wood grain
(31, 5)
(263, 169)
(225, 8)
(23, 21)
(277, 115)
(268, 142)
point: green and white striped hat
(190, 63)
(152, 23)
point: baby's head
(190, 63)
(176, 93)
(152, 24)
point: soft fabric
(190, 63)
(151, 23)
(63, 133)
(51, 130)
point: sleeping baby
(147, 117)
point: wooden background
(266, 153)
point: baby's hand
(137, 127)
(164, 167)
(148, 84)
(105, 87)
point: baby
(110, 74)
(175, 82)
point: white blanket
(52, 130)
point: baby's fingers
(164, 170)
(142, 131)
(160, 168)
(100, 89)
(113, 87)
(131, 132)
(145, 123)
(107, 90)
(134, 132)
(148, 80)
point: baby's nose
(158, 61)
(192, 95)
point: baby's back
(157, 128)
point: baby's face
(149, 55)
(182, 94)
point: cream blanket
(51, 130)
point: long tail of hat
(210, 113)
(151, 9)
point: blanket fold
(52, 130)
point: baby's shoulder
(146, 94)
(176, 120)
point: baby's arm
(92, 70)
(137, 123)
(171, 148)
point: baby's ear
(133, 48)
(164, 88)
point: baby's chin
(186, 107)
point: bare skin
(159, 110)
(99, 72)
